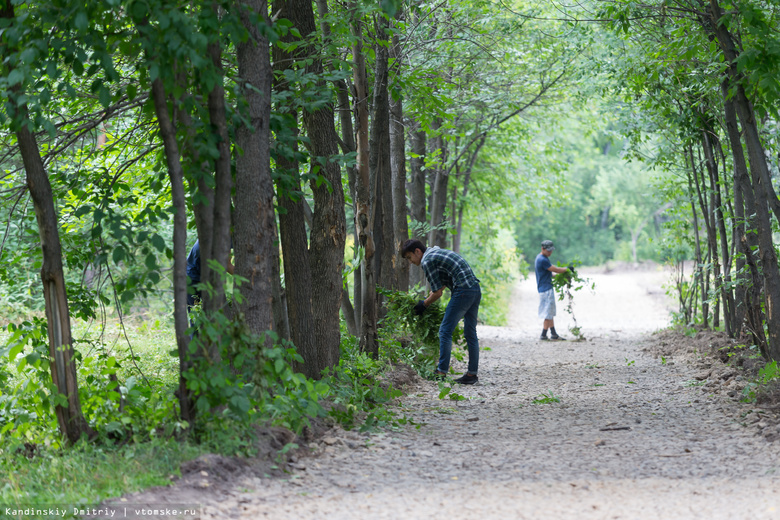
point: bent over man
(445, 268)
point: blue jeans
(464, 304)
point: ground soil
(629, 423)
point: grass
(547, 398)
(41, 472)
(86, 474)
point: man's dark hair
(410, 246)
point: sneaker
(558, 338)
(544, 338)
(438, 375)
(467, 379)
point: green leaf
(81, 21)
(105, 96)
(118, 254)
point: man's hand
(419, 309)
(570, 267)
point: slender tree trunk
(70, 418)
(380, 172)
(417, 199)
(363, 221)
(398, 168)
(256, 242)
(176, 176)
(223, 181)
(698, 272)
(743, 198)
(705, 216)
(759, 170)
(438, 235)
(725, 285)
(63, 367)
(292, 219)
(712, 223)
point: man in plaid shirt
(445, 268)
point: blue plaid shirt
(445, 268)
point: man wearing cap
(544, 272)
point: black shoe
(438, 375)
(558, 338)
(467, 379)
(544, 338)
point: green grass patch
(86, 474)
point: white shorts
(547, 305)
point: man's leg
(455, 311)
(470, 331)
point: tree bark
(743, 199)
(398, 168)
(363, 213)
(379, 170)
(328, 232)
(438, 234)
(292, 221)
(176, 176)
(256, 247)
(417, 199)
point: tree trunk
(712, 234)
(176, 176)
(256, 248)
(417, 199)
(328, 232)
(398, 168)
(759, 171)
(292, 221)
(698, 272)
(70, 418)
(363, 221)
(379, 170)
(438, 235)
(743, 198)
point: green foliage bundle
(414, 339)
(565, 284)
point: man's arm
(433, 297)
(557, 270)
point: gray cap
(548, 245)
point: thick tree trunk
(176, 176)
(363, 214)
(759, 171)
(292, 221)
(398, 168)
(256, 248)
(328, 232)
(380, 173)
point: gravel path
(631, 437)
